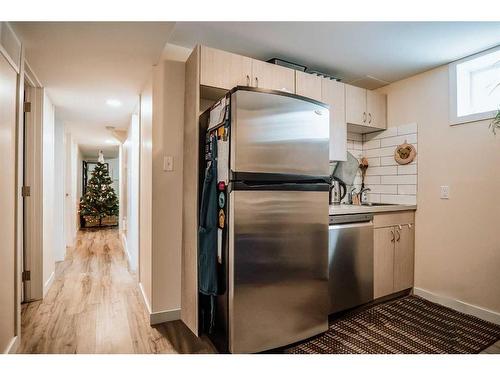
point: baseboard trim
(464, 307)
(48, 284)
(164, 316)
(125, 247)
(13, 346)
(145, 299)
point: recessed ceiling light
(113, 103)
(110, 141)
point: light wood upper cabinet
(273, 77)
(308, 85)
(376, 109)
(355, 105)
(333, 94)
(365, 108)
(224, 69)
(394, 252)
(383, 261)
(404, 254)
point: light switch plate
(445, 192)
(168, 163)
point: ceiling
(83, 64)
(387, 51)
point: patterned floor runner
(410, 325)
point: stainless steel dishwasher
(350, 261)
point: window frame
(454, 119)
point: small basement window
(475, 87)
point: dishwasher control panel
(351, 218)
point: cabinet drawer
(393, 218)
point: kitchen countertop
(345, 209)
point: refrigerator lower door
(278, 268)
(280, 134)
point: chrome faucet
(350, 195)
(362, 196)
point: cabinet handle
(256, 81)
(399, 235)
(370, 118)
(392, 237)
(248, 80)
(409, 226)
(364, 116)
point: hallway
(95, 306)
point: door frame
(31, 153)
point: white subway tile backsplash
(381, 171)
(368, 145)
(390, 132)
(398, 199)
(386, 151)
(383, 189)
(389, 182)
(407, 129)
(395, 141)
(388, 160)
(399, 180)
(407, 189)
(372, 180)
(374, 198)
(373, 162)
(358, 145)
(407, 169)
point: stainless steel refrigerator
(273, 155)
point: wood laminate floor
(95, 306)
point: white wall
(131, 149)
(48, 186)
(457, 248)
(8, 100)
(160, 238)
(168, 134)
(59, 192)
(145, 188)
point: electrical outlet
(168, 163)
(445, 192)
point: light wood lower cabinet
(383, 261)
(394, 254)
(404, 257)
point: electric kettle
(338, 190)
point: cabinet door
(404, 255)
(333, 94)
(308, 85)
(223, 69)
(376, 105)
(273, 77)
(355, 105)
(383, 261)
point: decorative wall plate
(405, 153)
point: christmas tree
(100, 199)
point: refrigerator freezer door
(273, 133)
(278, 269)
